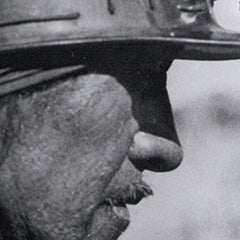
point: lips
(111, 217)
(127, 187)
(133, 195)
(108, 223)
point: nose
(143, 74)
(154, 153)
(156, 146)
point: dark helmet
(187, 26)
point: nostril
(155, 153)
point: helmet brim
(179, 48)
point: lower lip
(109, 222)
(121, 212)
(116, 212)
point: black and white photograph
(119, 120)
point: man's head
(72, 151)
(65, 171)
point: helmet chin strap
(14, 80)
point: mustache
(127, 186)
(130, 194)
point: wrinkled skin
(64, 170)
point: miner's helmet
(186, 29)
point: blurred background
(201, 199)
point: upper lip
(132, 195)
(140, 192)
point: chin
(112, 216)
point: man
(84, 109)
(65, 173)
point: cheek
(66, 144)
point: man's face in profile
(65, 170)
